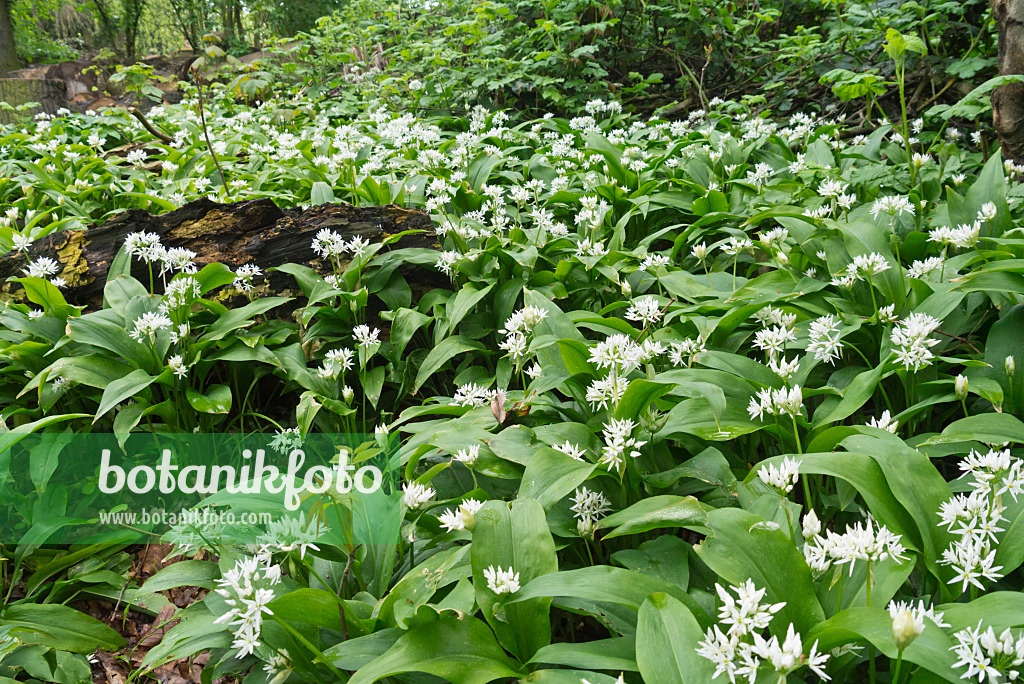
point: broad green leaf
(654, 513)
(519, 538)
(122, 389)
(738, 549)
(441, 354)
(606, 584)
(666, 638)
(460, 651)
(217, 399)
(60, 627)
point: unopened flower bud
(812, 526)
(1009, 365)
(906, 628)
(626, 289)
(961, 387)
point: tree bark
(253, 232)
(8, 50)
(1008, 100)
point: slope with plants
(725, 396)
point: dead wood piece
(250, 232)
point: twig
(206, 134)
(963, 340)
(148, 126)
(341, 587)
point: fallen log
(252, 232)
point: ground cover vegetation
(726, 391)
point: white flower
(892, 205)
(43, 267)
(783, 368)
(646, 310)
(987, 212)
(291, 534)
(462, 517)
(773, 340)
(468, 455)
(147, 326)
(619, 443)
(783, 477)
(908, 621)
(921, 268)
(884, 422)
(524, 320)
(502, 581)
(244, 275)
(776, 402)
(178, 366)
(618, 352)
(960, 387)
(606, 392)
(744, 613)
(570, 449)
(366, 336)
(910, 338)
(824, 339)
(683, 353)
(415, 495)
(589, 507)
(811, 525)
(472, 395)
(995, 659)
(870, 264)
(652, 261)
(863, 542)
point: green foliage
(650, 365)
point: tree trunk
(1008, 100)
(253, 232)
(8, 51)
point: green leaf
(239, 318)
(736, 551)
(463, 302)
(931, 650)
(60, 627)
(990, 428)
(122, 389)
(551, 476)
(607, 584)
(459, 651)
(442, 353)
(216, 400)
(666, 638)
(638, 396)
(617, 654)
(519, 538)
(321, 193)
(186, 573)
(654, 513)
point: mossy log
(252, 232)
(49, 93)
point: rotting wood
(251, 232)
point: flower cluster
(247, 589)
(975, 517)
(860, 542)
(589, 507)
(742, 651)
